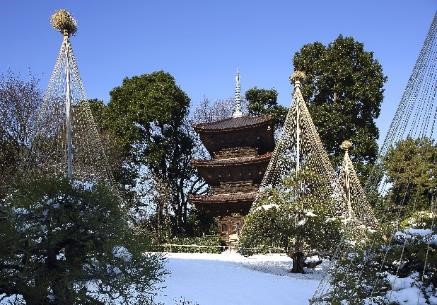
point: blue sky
(202, 43)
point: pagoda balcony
(224, 204)
(233, 169)
(234, 187)
(236, 152)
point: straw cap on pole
(63, 22)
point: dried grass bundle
(298, 76)
(346, 145)
(64, 22)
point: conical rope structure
(300, 148)
(416, 114)
(355, 197)
(415, 118)
(66, 139)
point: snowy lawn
(231, 279)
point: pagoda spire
(237, 110)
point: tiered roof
(232, 124)
(246, 131)
(240, 148)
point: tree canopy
(147, 115)
(69, 243)
(265, 101)
(411, 168)
(344, 91)
(20, 99)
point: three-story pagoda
(240, 148)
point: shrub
(72, 245)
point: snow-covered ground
(229, 278)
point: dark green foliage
(147, 118)
(145, 103)
(411, 168)
(344, 91)
(264, 101)
(296, 217)
(60, 240)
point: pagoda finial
(237, 110)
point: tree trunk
(298, 262)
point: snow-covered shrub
(297, 217)
(399, 268)
(70, 244)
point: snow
(405, 290)
(420, 232)
(410, 295)
(397, 283)
(310, 213)
(267, 207)
(229, 278)
(122, 253)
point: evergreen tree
(264, 101)
(70, 243)
(147, 115)
(344, 91)
(296, 218)
(411, 168)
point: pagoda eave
(223, 198)
(234, 124)
(265, 158)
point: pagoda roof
(223, 198)
(233, 161)
(234, 123)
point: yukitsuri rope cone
(355, 197)
(300, 149)
(66, 138)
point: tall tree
(148, 115)
(344, 91)
(265, 101)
